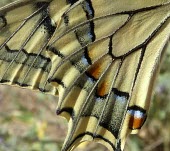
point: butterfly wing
(25, 29)
(101, 56)
(109, 57)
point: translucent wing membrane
(101, 57)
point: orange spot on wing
(136, 123)
(100, 66)
(95, 71)
(103, 89)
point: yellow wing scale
(99, 56)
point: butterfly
(101, 58)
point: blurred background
(28, 121)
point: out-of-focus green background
(28, 121)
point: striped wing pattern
(24, 33)
(101, 58)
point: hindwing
(100, 57)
